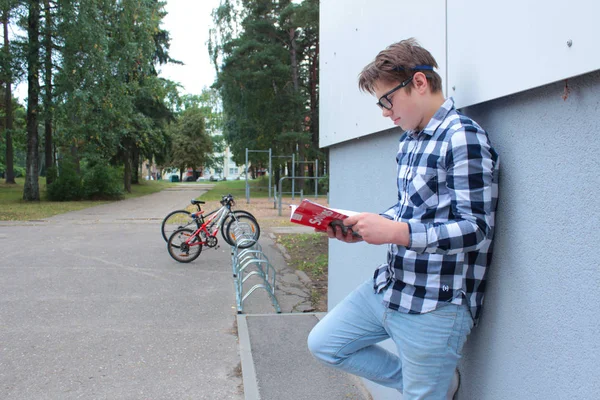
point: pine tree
(31, 190)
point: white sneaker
(454, 385)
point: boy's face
(405, 111)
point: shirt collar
(436, 120)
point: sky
(188, 22)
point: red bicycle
(183, 219)
(185, 244)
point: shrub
(67, 186)
(19, 172)
(102, 182)
(324, 184)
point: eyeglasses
(385, 102)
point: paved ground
(93, 307)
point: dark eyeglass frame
(387, 99)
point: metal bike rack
(247, 260)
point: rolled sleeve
(418, 237)
(390, 213)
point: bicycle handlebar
(227, 200)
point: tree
(266, 54)
(31, 190)
(48, 95)
(141, 45)
(261, 107)
(8, 72)
(303, 19)
(112, 104)
(191, 144)
(101, 95)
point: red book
(317, 216)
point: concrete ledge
(248, 372)
(276, 363)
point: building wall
(482, 49)
(538, 335)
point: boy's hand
(338, 230)
(374, 229)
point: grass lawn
(258, 188)
(309, 253)
(13, 208)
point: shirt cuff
(417, 237)
(387, 216)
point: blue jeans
(429, 345)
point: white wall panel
(497, 48)
(352, 33)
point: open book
(317, 216)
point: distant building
(227, 169)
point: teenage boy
(429, 292)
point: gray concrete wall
(539, 334)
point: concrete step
(276, 363)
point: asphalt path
(93, 307)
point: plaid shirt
(447, 193)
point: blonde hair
(397, 63)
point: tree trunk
(135, 161)
(127, 176)
(75, 158)
(8, 114)
(293, 58)
(127, 173)
(48, 103)
(31, 191)
(277, 176)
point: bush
(18, 171)
(102, 182)
(67, 185)
(324, 184)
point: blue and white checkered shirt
(447, 193)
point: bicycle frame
(218, 215)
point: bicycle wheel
(181, 251)
(241, 227)
(177, 220)
(228, 219)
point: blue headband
(425, 67)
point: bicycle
(183, 219)
(185, 244)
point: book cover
(315, 215)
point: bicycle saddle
(197, 202)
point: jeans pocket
(446, 311)
(463, 326)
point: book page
(346, 212)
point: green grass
(258, 188)
(147, 187)
(14, 208)
(308, 252)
